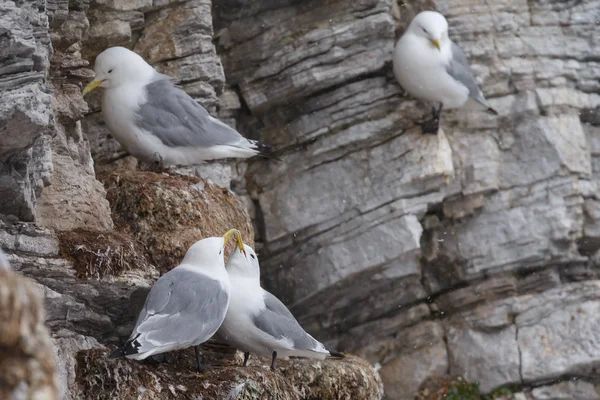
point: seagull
(187, 305)
(258, 322)
(431, 67)
(157, 122)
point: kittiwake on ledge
(258, 322)
(187, 305)
(432, 68)
(157, 122)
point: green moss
(503, 392)
(448, 388)
(458, 388)
(464, 390)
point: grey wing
(459, 69)
(182, 306)
(176, 119)
(277, 321)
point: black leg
(197, 349)
(436, 112)
(158, 160)
(273, 361)
(201, 367)
(432, 125)
(246, 357)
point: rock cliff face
(473, 252)
(93, 244)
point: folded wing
(277, 321)
(459, 69)
(182, 308)
(177, 120)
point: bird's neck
(246, 291)
(245, 280)
(212, 270)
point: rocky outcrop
(350, 378)
(473, 252)
(409, 248)
(93, 245)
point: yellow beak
(91, 86)
(437, 44)
(238, 238)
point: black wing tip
(335, 354)
(265, 150)
(130, 347)
(492, 111)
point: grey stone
(567, 390)
(557, 332)
(376, 235)
(516, 241)
(506, 204)
(420, 359)
(335, 50)
(74, 198)
(368, 335)
(66, 346)
(216, 172)
(486, 291)
(25, 114)
(489, 357)
(530, 338)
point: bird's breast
(245, 295)
(118, 108)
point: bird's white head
(207, 253)
(117, 66)
(432, 27)
(245, 265)
(210, 252)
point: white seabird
(258, 322)
(432, 68)
(157, 122)
(187, 305)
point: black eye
(220, 251)
(109, 71)
(252, 255)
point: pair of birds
(203, 296)
(159, 123)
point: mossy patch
(501, 393)
(347, 378)
(458, 388)
(448, 388)
(96, 255)
(103, 378)
(168, 213)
